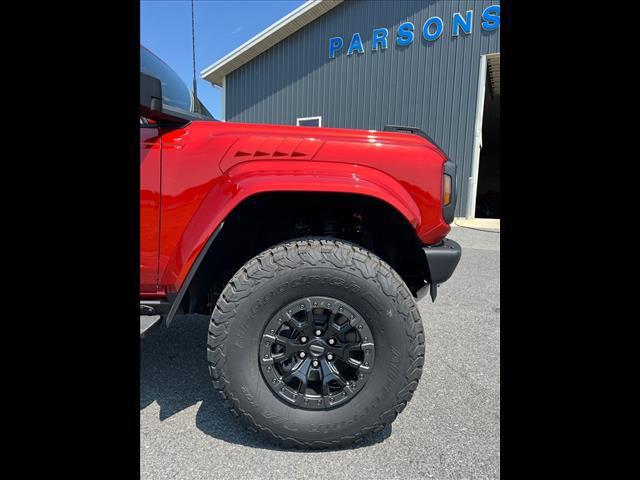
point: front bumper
(442, 260)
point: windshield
(175, 93)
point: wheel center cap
(316, 349)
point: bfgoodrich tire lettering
(310, 268)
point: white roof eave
(289, 24)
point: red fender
(250, 178)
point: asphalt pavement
(449, 430)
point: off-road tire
(303, 268)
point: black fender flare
(177, 297)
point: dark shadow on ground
(173, 373)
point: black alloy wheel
(317, 353)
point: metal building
(431, 64)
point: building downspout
(472, 186)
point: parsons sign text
(432, 29)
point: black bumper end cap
(442, 260)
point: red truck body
(193, 176)
(308, 247)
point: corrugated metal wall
(431, 85)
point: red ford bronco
(309, 248)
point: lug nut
(315, 363)
(303, 339)
(302, 354)
(329, 356)
(331, 341)
(318, 332)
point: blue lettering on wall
(379, 38)
(335, 44)
(355, 45)
(427, 32)
(405, 34)
(466, 23)
(491, 17)
(432, 29)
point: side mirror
(151, 105)
(150, 96)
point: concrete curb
(481, 223)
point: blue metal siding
(430, 85)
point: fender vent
(264, 148)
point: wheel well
(267, 219)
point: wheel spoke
(353, 362)
(290, 347)
(334, 329)
(329, 374)
(304, 325)
(309, 318)
(277, 357)
(301, 372)
(343, 350)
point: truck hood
(278, 140)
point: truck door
(150, 165)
